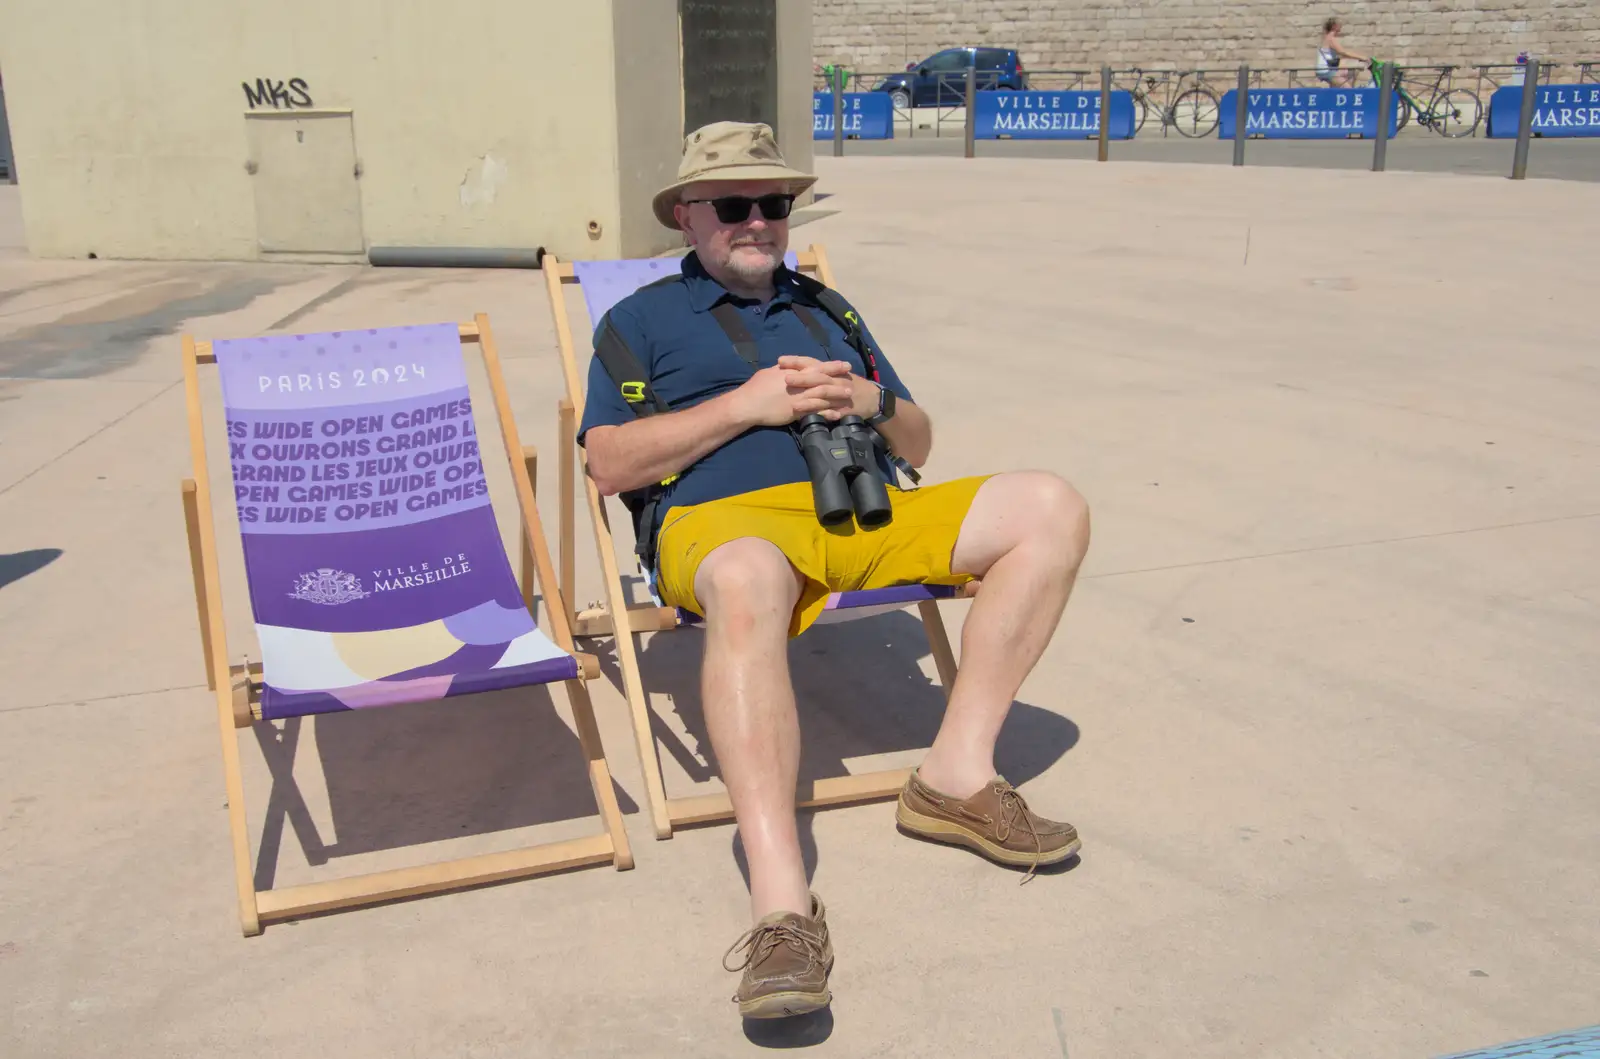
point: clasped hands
(800, 386)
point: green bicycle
(1450, 112)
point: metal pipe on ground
(1380, 147)
(1105, 114)
(455, 257)
(972, 111)
(1241, 113)
(1530, 95)
(838, 112)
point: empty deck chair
(375, 565)
(604, 283)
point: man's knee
(1057, 513)
(747, 577)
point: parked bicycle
(1450, 112)
(1193, 113)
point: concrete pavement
(1323, 707)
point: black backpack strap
(631, 378)
(626, 371)
(727, 317)
(819, 335)
(839, 311)
(623, 366)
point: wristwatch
(885, 407)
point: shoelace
(1012, 806)
(761, 940)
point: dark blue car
(940, 79)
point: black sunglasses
(734, 209)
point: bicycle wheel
(1139, 110)
(1457, 113)
(1194, 113)
(1402, 112)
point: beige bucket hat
(728, 150)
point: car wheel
(900, 99)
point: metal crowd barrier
(1452, 100)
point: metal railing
(1450, 99)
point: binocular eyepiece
(845, 477)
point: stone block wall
(883, 35)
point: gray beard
(753, 274)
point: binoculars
(846, 479)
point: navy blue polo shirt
(690, 359)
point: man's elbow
(598, 464)
(603, 479)
(921, 444)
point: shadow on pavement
(860, 691)
(422, 772)
(17, 565)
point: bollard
(972, 111)
(1105, 112)
(838, 112)
(6, 152)
(1241, 113)
(1380, 146)
(1530, 94)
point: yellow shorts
(913, 548)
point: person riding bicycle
(1331, 52)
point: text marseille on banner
(1305, 113)
(1050, 115)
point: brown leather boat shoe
(996, 822)
(787, 960)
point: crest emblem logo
(328, 587)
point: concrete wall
(882, 35)
(498, 123)
(648, 82)
(795, 45)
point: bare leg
(1026, 535)
(749, 590)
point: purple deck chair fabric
(604, 283)
(376, 569)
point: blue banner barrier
(867, 116)
(1558, 110)
(1051, 115)
(1305, 113)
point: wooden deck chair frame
(668, 813)
(238, 688)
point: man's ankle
(763, 905)
(960, 781)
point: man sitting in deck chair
(692, 396)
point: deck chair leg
(191, 522)
(643, 736)
(939, 643)
(233, 779)
(567, 454)
(208, 597)
(628, 662)
(605, 794)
